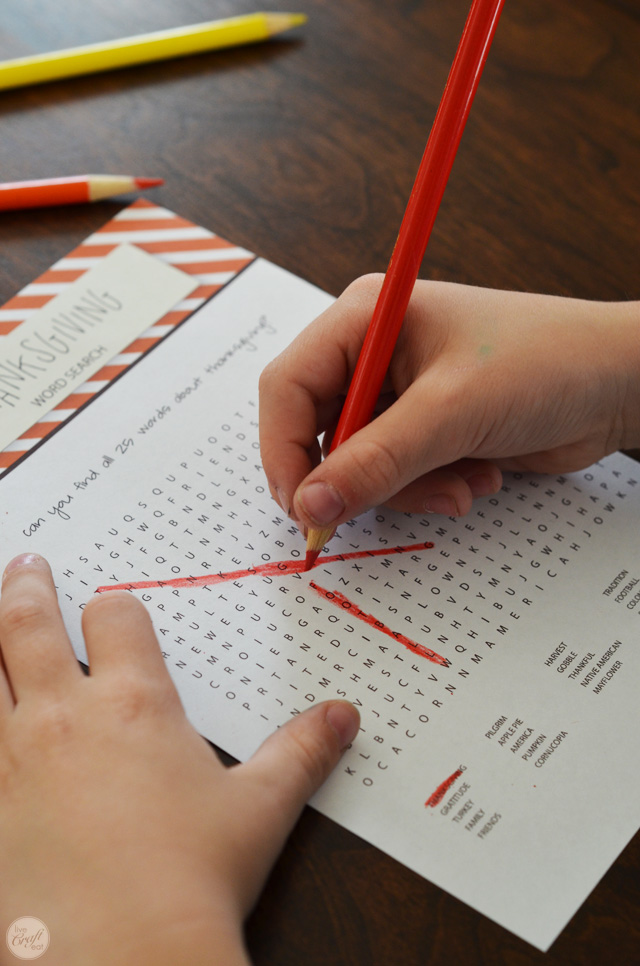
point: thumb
(285, 772)
(296, 759)
(407, 442)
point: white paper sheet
(496, 670)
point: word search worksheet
(493, 658)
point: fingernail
(481, 485)
(321, 503)
(445, 505)
(345, 721)
(283, 500)
(21, 561)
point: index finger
(36, 651)
(300, 391)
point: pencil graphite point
(312, 556)
(148, 182)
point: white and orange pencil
(75, 190)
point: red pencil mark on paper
(283, 567)
(442, 790)
(344, 604)
(274, 569)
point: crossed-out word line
(282, 568)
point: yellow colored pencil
(160, 45)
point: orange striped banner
(199, 253)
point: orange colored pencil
(69, 191)
(415, 230)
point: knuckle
(375, 469)
(271, 376)
(132, 698)
(22, 614)
(138, 696)
(52, 723)
(266, 379)
(366, 287)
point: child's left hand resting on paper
(119, 827)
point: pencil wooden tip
(316, 540)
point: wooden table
(304, 150)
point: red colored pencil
(69, 191)
(415, 230)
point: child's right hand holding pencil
(480, 381)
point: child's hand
(480, 381)
(119, 827)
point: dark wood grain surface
(304, 150)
